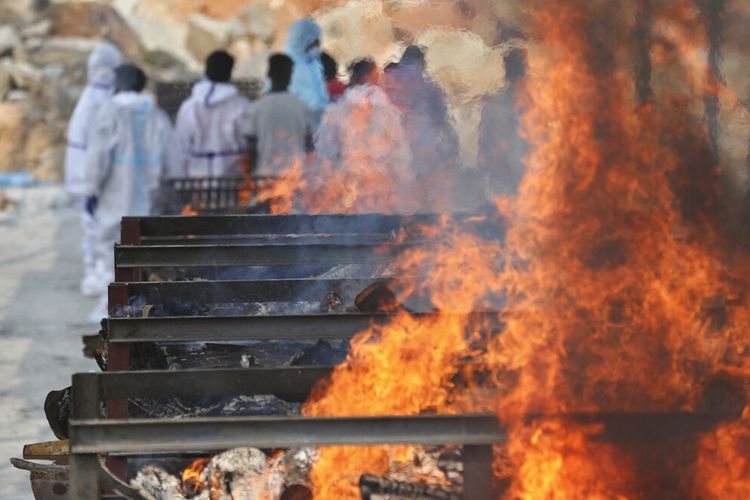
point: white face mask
(314, 53)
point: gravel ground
(42, 318)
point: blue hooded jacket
(308, 82)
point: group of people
(388, 127)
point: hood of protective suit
(301, 34)
(102, 63)
(213, 93)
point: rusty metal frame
(241, 328)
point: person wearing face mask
(126, 158)
(99, 90)
(308, 82)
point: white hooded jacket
(210, 128)
(308, 82)
(126, 158)
(101, 65)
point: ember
(192, 484)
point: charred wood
(57, 408)
(370, 486)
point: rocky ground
(42, 318)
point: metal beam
(278, 224)
(253, 255)
(229, 239)
(219, 434)
(237, 328)
(220, 382)
(213, 292)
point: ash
(238, 473)
(252, 473)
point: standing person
(280, 126)
(335, 87)
(99, 90)
(432, 139)
(364, 160)
(308, 82)
(127, 156)
(501, 147)
(209, 130)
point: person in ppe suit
(99, 90)
(431, 135)
(308, 82)
(362, 150)
(126, 158)
(210, 125)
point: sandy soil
(42, 318)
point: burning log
(378, 297)
(370, 486)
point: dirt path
(42, 318)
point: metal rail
(137, 257)
(155, 384)
(141, 436)
(244, 239)
(236, 328)
(274, 224)
(216, 292)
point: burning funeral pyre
(620, 367)
(621, 370)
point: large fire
(626, 294)
(622, 292)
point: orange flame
(192, 483)
(613, 266)
(189, 211)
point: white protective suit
(308, 82)
(126, 158)
(99, 90)
(210, 128)
(363, 151)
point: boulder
(11, 136)
(157, 27)
(19, 11)
(254, 21)
(253, 67)
(24, 75)
(17, 95)
(356, 30)
(44, 152)
(39, 29)
(6, 83)
(67, 51)
(93, 20)
(464, 66)
(9, 39)
(205, 35)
